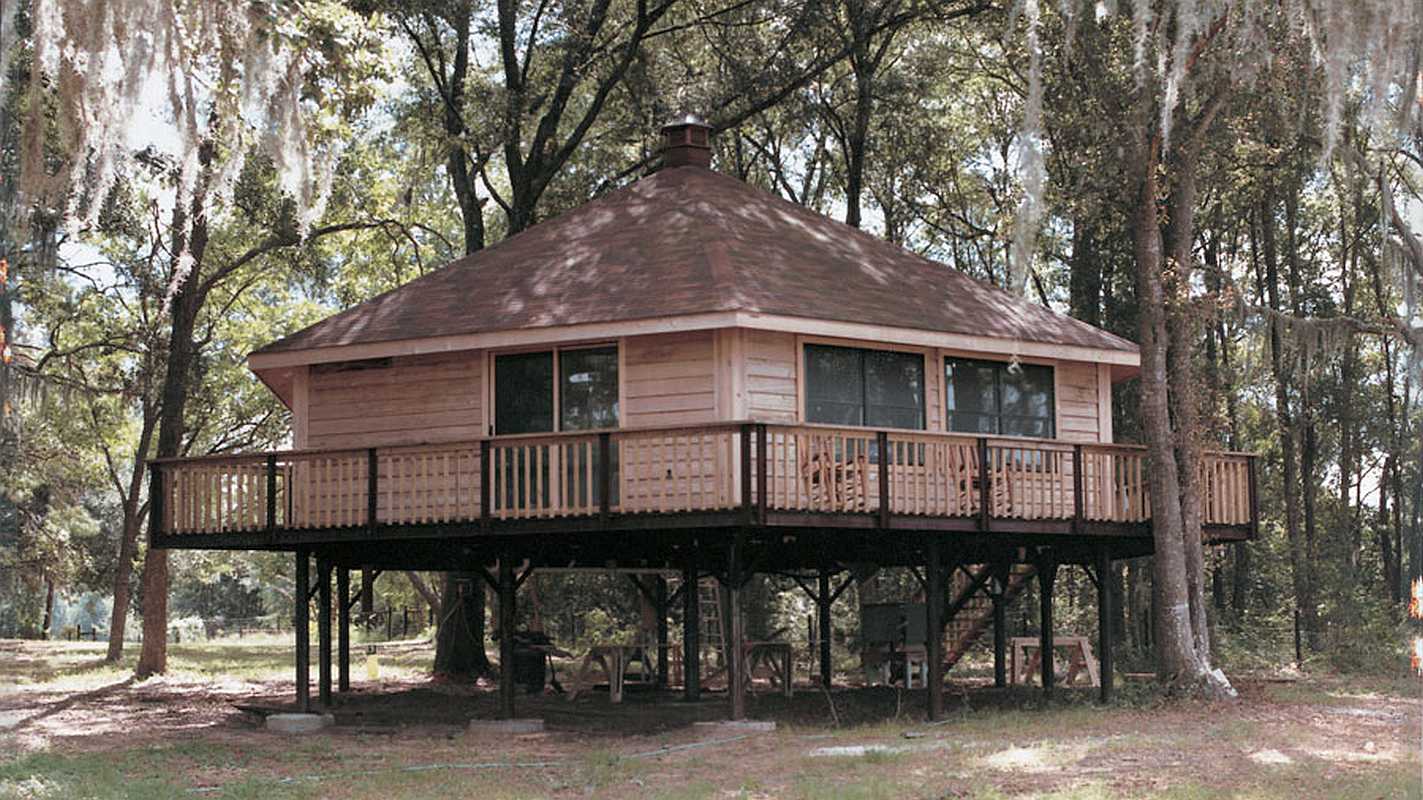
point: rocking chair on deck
(834, 484)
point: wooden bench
(614, 660)
(1027, 659)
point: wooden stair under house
(970, 609)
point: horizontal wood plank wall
(771, 366)
(415, 400)
(1078, 402)
(670, 379)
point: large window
(873, 388)
(997, 398)
(574, 389)
(587, 396)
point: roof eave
(265, 361)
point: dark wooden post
(660, 600)
(506, 637)
(691, 627)
(822, 604)
(323, 627)
(933, 626)
(372, 490)
(1104, 620)
(984, 478)
(747, 509)
(735, 649)
(605, 476)
(882, 444)
(1252, 486)
(1078, 496)
(1047, 575)
(486, 486)
(156, 493)
(301, 625)
(999, 595)
(343, 629)
(368, 595)
(762, 459)
(272, 497)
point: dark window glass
(588, 389)
(834, 385)
(850, 386)
(971, 392)
(894, 389)
(996, 398)
(523, 393)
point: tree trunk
(1299, 571)
(45, 629)
(1176, 658)
(182, 354)
(1182, 385)
(1085, 276)
(123, 577)
(459, 639)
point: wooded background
(184, 182)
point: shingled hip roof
(684, 241)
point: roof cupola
(686, 142)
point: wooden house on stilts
(692, 375)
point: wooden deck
(730, 474)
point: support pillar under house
(736, 648)
(343, 629)
(1047, 576)
(691, 632)
(506, 637)
(998, 593)
(301, 630)
(660, 600)
(323, 627)
(934, 626)
(1104, 621)
(822, 607)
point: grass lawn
(71, 727)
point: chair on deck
(833, 483)
(1000, 491)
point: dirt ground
(72, 727)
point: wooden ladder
(713, 625)
(975, 612)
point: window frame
(999, 369)
(803, 380)
(555, 351)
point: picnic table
(1027, 658)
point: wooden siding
(669, 379)
(418, 400)
(772, 364)
(1078, 403)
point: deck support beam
(323, 627)
(691, 630)
(1104, 621)
(343, 630)
(506, 636)
(301, 626)
(822, 606)
(735, 649)
(998, 593)
(368, 595)
(660, 600)
(934, 626)
(1047, 576)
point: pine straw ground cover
(72, 728)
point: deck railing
(749, 468)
